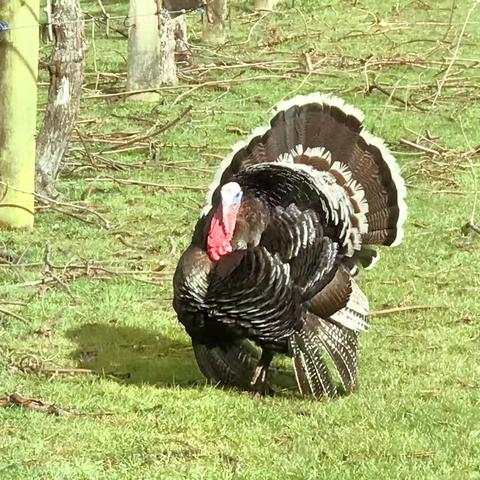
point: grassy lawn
(100, 299)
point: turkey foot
(259, 384)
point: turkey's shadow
(135, 355)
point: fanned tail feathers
(325, 137)
(311, 371)
(341, 345)
(337, 337)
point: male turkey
(292, 212)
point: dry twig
(475, 4)
(8, 313)
(389, 311)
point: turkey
(292, 214)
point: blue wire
(4, 26)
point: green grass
(145, 412)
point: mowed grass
(144, 410)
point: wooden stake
(151, 49)
(265, 5)
(18, 102)
(214, 21)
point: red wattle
(221, 233)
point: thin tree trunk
(214, 22)
(18, 102)
(66, 67)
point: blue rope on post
(4, 26)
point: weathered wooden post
(18, 102)
(214, 21)
(168, 67)
(66, 67)
(265, 5)
(182, 52)
(177, 9)
(151, 49)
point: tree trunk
(18, 102)
(265, 5)
(66, 67)
(151, 49)
(214, 22)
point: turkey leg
(259, 383)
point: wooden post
(182, 52)
(168, 67)
(18, 101)
(177, 8)
(151, 49)
(66, 67)
(265, 5)
(214, 21)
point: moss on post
(18, 102)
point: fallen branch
(141, 183)
(400, 100)
(468, 226)
(223, 83)
(73, 271)
(418, 147)
(56, 203)
(8, 313)
(16, 400)
(67, 371)
(152, 132)
(390, 311)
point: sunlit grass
(144, 411)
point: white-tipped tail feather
(322, 98)
(397, 180)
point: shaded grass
(145, 411)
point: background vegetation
(92, 280)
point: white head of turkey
(292, 213)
